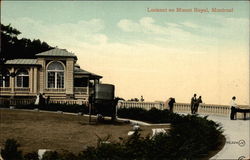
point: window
(5, 78)
(55, 75)
(22, 78)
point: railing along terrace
(145, 105)
(207, 109)
(203, 108)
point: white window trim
(8, 75)
(4, 82)
(22, 80)
(56, 71)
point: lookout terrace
(53, 73)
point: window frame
(3, 82)
(56, 75)
(22, 78)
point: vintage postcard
(182, 58)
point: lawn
(43, 130)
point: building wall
(13, 90)
(69, 77)
(41, 75)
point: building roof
(22, 61)
(78, 70)
(56, 52)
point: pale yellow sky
(159, 73)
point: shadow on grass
(105, 122)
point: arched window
(4, 78)
(55, 75)
(22, 78)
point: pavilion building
(53, 73)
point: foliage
(66, 155)
(51, 155)
(153, 116)
(10, 151)
(192, 135)
(31, 156)
(134, 99)
(12, 47)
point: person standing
(234, 106)
(37, 100)
(43, 100)
(40, 99)
(47, 100)
(193, 101)
(171, 104)
(196, 104)
(142, 99)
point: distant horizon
(155, 54)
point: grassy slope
(37, 130)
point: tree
(12, 47)
(10, 151)
(8, 38)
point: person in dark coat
(171, 104)
(196, 104)
(40, 99)
(47, 100)
(193, 101)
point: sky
(154, 54)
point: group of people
(41, 99)
(195, 102)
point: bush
(10, 151)
(31, 156)
(152, 116)
(51, 155)
(66, 155)
(189, 136)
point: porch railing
(55, 90)
(80, 90)
(26, 101)
(16, 101)
(5, 89)
(22, 90)
(68, 101)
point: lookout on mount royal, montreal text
(199, 10)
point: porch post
(12, 80)
(31, 79)
(35, 80)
